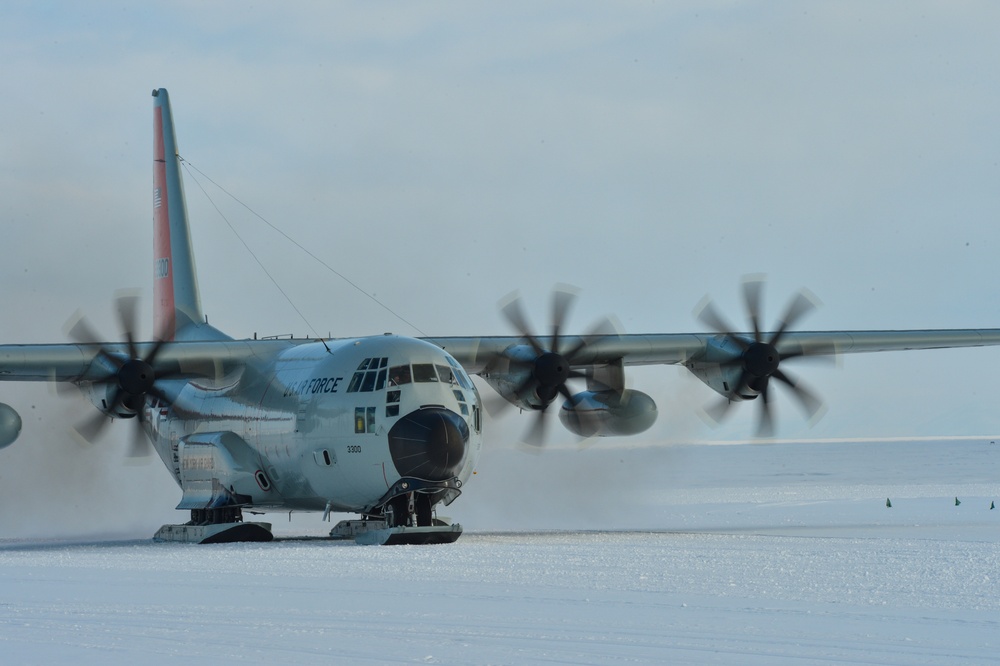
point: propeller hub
(551, 371)
(761, 359)
(136, 377)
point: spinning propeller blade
(130, 377)
(760, 360)
(552, 366)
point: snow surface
(749, 554)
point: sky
(442, 155)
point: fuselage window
(464, 408)
(399, 375)
(364, 419)
(424, 372)
(391, 410)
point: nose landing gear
(405, 515)
(410, 510)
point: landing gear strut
(410, 510)
(226, 514)
(405, 515)
(423, 511)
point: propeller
(760, 361)
(131, 378)
(552, 365)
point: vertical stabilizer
(176, 303)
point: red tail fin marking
(163, 283)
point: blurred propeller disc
(760, 360)
(131, 378)
(552, 366)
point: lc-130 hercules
(387, 427)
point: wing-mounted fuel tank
(10, 425)
(220, 469)
(608, 413)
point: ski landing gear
(406, 518)
(222, 525)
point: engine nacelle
(102, 396)
(10, 425)
(608, 413)
(723, 380)
(510, 371)
(716, 368)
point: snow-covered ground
(780, 553)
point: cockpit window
(463, 379)
(424, 372)
(373, 379)
(420, 372)
(399, 375)
(444, 374)
(369, 382)
(356, 382)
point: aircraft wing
(736, 365)
(80, 362)
(75, 362)
(475, 353)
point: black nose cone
(429, 444)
